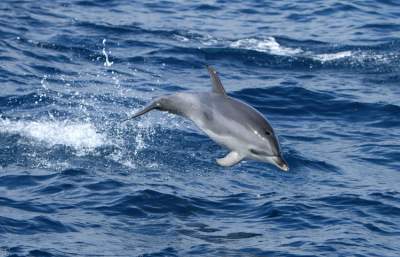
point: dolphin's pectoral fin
(216, 82)
(230, 159)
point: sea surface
(77, 181)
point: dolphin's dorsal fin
(216, 82)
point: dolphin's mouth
(280, 163)
(277, 160)
(258, 152)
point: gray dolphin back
(167, 103)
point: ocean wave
(333, 56)
(318, 103)
(137, 205)
(274, 51)
(354, 58)
(33, 226)
(325, 74)
(77, 135)
(268, 45)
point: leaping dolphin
(226, 120)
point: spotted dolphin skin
(226, 120)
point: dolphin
(228, 121)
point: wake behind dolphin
(226, 120)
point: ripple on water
(76, 181)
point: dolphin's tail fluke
(152, 106)
(166, 103)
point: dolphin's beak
(280, 163)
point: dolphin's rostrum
(226, 120)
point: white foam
(181, 38)
(268, 45)
(332, 56)
(77, 135)
(208, 40)
(107, 63)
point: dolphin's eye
(267, 133)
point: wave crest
(268, 45)
(77, 135)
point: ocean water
(76, 181)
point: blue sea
(77, 181)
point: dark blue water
(75, 181)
